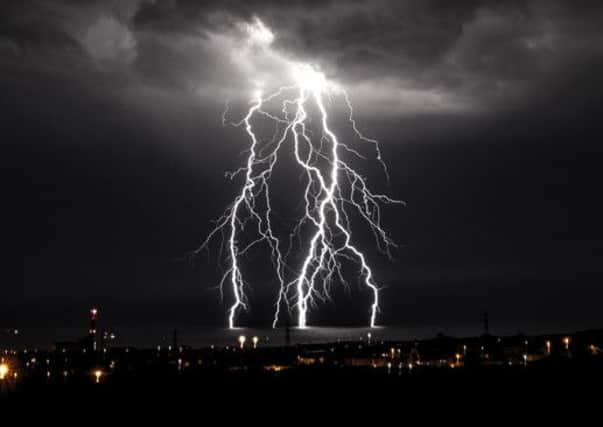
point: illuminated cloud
(109, 40)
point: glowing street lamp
(98, 374)
(4, 370)
(255, 342)
(548, 346)
(242, 339)
(566, 342)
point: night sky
(114, 153)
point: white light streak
(333, 192)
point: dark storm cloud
(63, 40)
(468, 55)
(114, 152)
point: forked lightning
(333, 192)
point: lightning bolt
(333, 192)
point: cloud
(109, 40)
(471, 55)
(399, 57)
(9, 46)
(392, 98)
(488, 110)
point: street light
(242, 339)
(3, 370)
(255, 342)
(97, 375)
(566, 342)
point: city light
(548, 346)
(4, 370)
(98, 374)
(566, 342)
(255, 342)
(242, 339)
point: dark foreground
(431, 369)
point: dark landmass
(94, 367)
